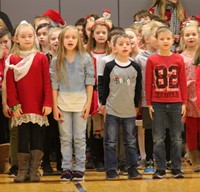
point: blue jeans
(73, 129)
(111, 141)
(162, 111)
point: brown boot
(36, 156)
(194, 155)
(23, 165)
(4, 158)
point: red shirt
(34, 90)
(166, 79)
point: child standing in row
(121, 95)
(190, 40)
(29, 96)
(72, 76)
(166, 97)
(52, 139)
(98, 48)
(151, 46)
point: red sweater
(32, 91)
(166, 79)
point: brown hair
(161, 30)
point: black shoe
(123, 170)
(47, 169)
(78, 175)
(159, 174)
(90, 164)
(100, 167)
(177, 173)
(168, 165)
(133, 173)
(111, 175)
(66, 175)
(13, 171)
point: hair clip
(106, 13)
(23, 22)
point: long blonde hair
(16, 48)
(62, 51)
(162, 10)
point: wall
(72, 10)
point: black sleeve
(138, 87)
(100, 88)
(106, 80)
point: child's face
(190, 36)
(80, 30)
(26, 38)
(152, 41)
(165, 40)
(42, 35)
(100, 34)
(6, 41)
(53, 40)
(123, 47)
(70, 39)
(133, 38)
(88, 28)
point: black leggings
(4, 126)
(31, 137)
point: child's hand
(151, 110)
(86, 111)
(103, 109)
(6, 111)
(46, 110)
(57, 114)
(136, 110)
(17, 112)
(183, 111)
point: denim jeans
(73, 129)
(162, 111)
(111, 141)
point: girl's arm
(6, 109)
(56, 111)
(86, 108)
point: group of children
(92, 84)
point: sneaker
(78, 175)
(100, 167)
(159, 174)
(111, 175)
(66, 175)
(123, 170)
(149, 170)
(133, 173)
(168, 165)
(149, 167)
(177, 173)
(13, 171)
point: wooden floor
(95, 182)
